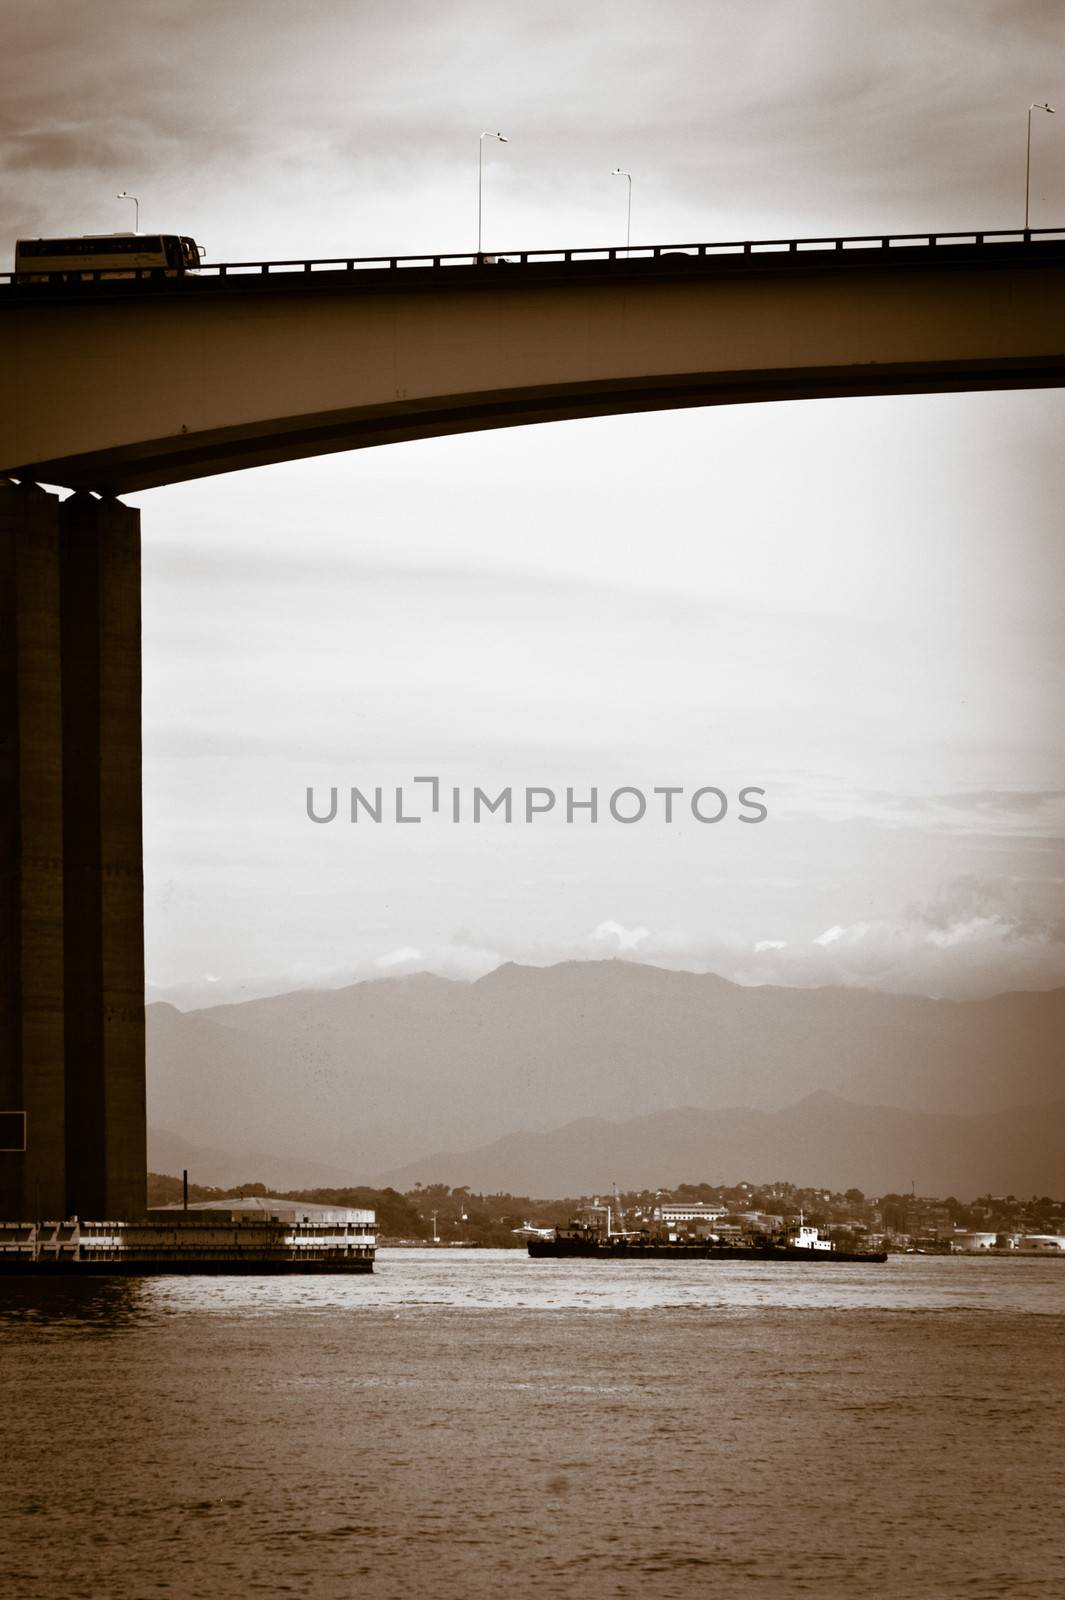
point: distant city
(454, 1216)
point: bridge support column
(33, 1181)
(103, 872)
(71, 874)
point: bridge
(124, 385)
(113, 385)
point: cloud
(405, 956)
(972, 936)
(1018, 812)
(1013, 813)
(974, 907)
(360, 98)
(626, 938)
(59, 149)
(975, 930)
(460, 958)
(1011, 801)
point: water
(471, 1423)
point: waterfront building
(668, 1212)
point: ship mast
(618, 1212)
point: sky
(855, 605)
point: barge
(228, 1238)
(592, 1244)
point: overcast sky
(857, 605)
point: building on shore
(969, 1241)
(693, 1216)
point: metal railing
(989, 238)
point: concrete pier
(71, 874)
(32, 1183)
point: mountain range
(374, 1078)
(822, 1140)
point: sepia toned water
(473, 1423)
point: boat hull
(186, 1267)
(695, 1250)
(188, 1244)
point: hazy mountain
(168, 1153)
(374, 1076)
(822, 1140)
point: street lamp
(1035, 106)
(137, 212)
(480, 178)
(619, 173)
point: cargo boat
(591, 1244)
(250, 1238)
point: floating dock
(243, 1238)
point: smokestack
(185, 1189)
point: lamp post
(502, 138)
(619, 173)
(137, 211)
(1035, 106)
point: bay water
(472, 1423)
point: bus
(105, 255)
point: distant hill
(370, 1078)
(168, 1153)
(821, 1140)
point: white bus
(106, 255)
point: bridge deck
(745, 257)
(118, 384)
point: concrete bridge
(116, 385)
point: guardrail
(988, 238)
